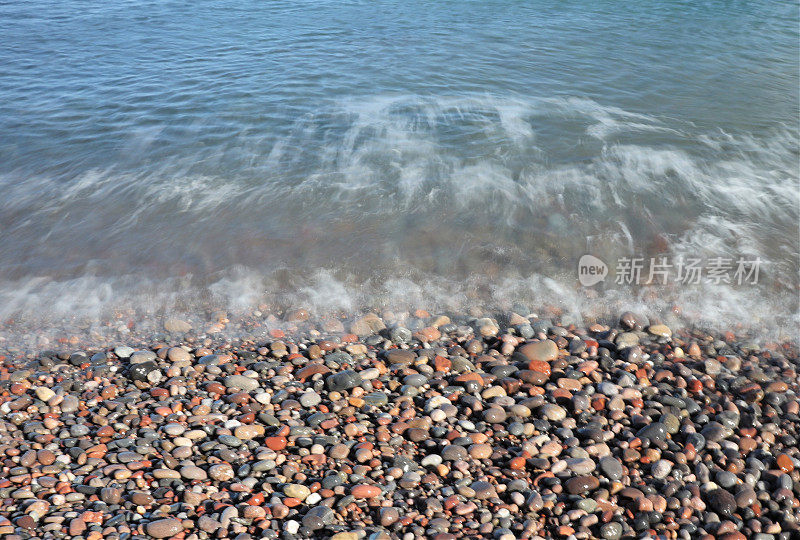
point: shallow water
(438, 153)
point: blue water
(335, 153)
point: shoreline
(442, 426)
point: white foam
(412, 201)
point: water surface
(336, 153)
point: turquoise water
(338, 153)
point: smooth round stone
(365, 491)
(346, 535)
(111, 495)
(542, 351)
(729, 419)
(580, 466)
(79, 430)
(672, 423)
(164, 528)
(626, 339)
(417, 434)
(454, 453)
(416, 380)
(726, 479)
(174, 430)
(333, 480)
(291, 527)
(712, 367)
(553, 412)
(581, 484)
(696, 440)
(745, 496)
(221, 472)
(659, 330)
(339, 451)
(611, 531)
(611, 468)
(179, 354)
(248, 431)
(483, 490)
(661, 468)
(410, 480)
(521, 411)
(191, 472)
(209, 360)
(432, 460)
(310, 399)
(388, 516)
(298, 491)
(608, 389)
(44, 394)
(400, 334)
(438, 415)
(177, 326)
(715, 432)
(655, 432)
(318, 517)
(123, 352)
(139, 357)
(526, 330)
(722, 502)
(344, 380)
(230, 440)
(494, 415)
(516, 428)
(376, 399)
(580, 402)
(493, 392)
(240, 381)
(480, 451)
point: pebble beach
(399, 270)
(401, 426)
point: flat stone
(483, 490)
(365, 491)
(541, 351)
(240, 381)
(480, 451)
(553, 412)
(248, 431)
(221, 472)
(653, 432)
(611, 531)
(44, 394)
(344, 380)
(659, 330)
(611, 468)
(191, 472)
(581, 484)
(179, 354)
(310, 399)
(164, 528)
(298, 491)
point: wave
(408, 200)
